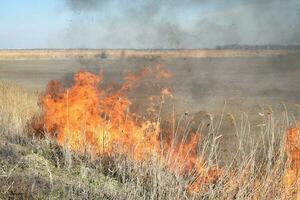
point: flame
(167, 92)
(89, 118)
(183, 159)
(162, 73)
(292, 175)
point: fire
(162, 73)
(292, 174)
(184, 160)
(88, 118)
(167, 92)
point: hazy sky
(147, 24)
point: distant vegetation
(258, 47)
(218, 52)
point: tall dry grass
(255, 170)
(17, 106)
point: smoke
(85, 5)
(181, 24)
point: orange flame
(162, 73)
(184, 160)
(88, 118)
(167, 92)
(292, 174)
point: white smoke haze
(181, 24)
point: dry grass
(17, 106)
(38, 168)
(201, 53)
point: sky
(147, 23)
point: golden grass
(200, 53)
(17, 106)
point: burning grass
(93, 146)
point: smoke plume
(181, 24)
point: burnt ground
(200, 85)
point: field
(242, 103)
(128, 53)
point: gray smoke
(181, 24)
(85, 5)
